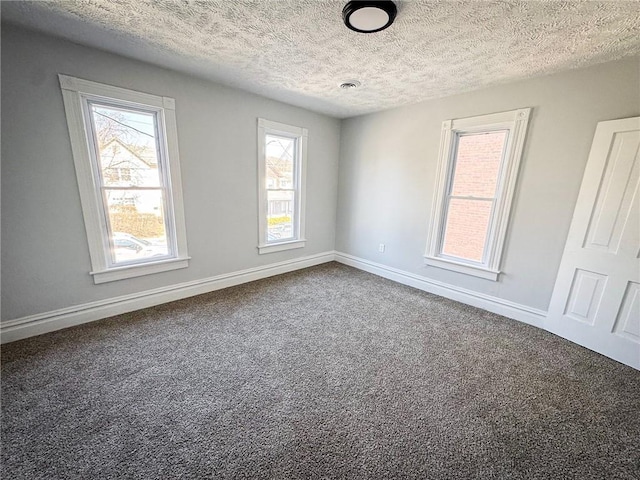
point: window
(125, 150)
(282, 153)
(478, 166)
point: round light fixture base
(369, 16)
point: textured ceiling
(298, 51)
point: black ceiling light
(369, 16)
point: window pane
(127, 147)
(466, 228)
(477, 164)
(280, 152)
(137, 224)
(280, 215)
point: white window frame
(77, 93)
(300, 135)
(515, 122)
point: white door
(596, 299)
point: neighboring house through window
(125, 150)
(281, 169)
(478, 167)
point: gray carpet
(327, 372)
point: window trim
(266, 127)
(515, 121)
(76, 94)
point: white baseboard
(32, 325)
(512, 310)
(38, 324)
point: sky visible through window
(137, 128)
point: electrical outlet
(381, 248)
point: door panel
(596, 299)
(626, 324)
(615, 198)
(585, 296)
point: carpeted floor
(327, 372)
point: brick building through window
(472, 194)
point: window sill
(462, 268)
(130, 271)
(278, 247)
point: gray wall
(387, 171)
(45, 258)
(388, 164)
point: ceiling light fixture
(369, 16)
